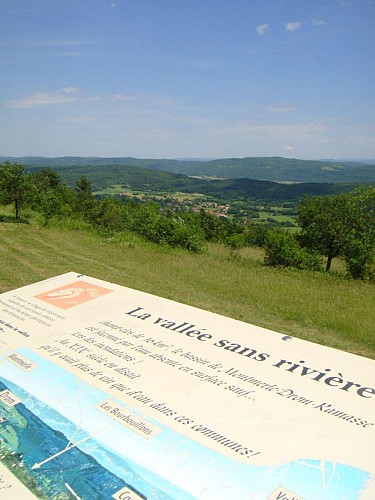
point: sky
(187, 78)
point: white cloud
(263, 28)
(289, 148)
(62, 96)
(318, 22)
(293, 26)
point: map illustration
(60, 445)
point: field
(326, 309)
(118, 189)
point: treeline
(44, 192)
(332, 226)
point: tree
(47, 178)
(212, 226)
(256, 234)
(341, 225)
(51, 197)
(109, 215)
(15, 186)
(359, 250)
(85, 199)
(322, 220)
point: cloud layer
(263, 28)
(293, 26)
(63, 96)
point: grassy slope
(312, 306)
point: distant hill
(276, 169)
(156, 181)
(280, 169)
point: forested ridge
(276, 169)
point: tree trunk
(329, 262)
(16, 206)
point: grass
(318, 307)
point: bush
(109, 214)
(175, 233)
(235, 241)
(212, 226)
(256, 234)
(360, 261)
(282, 249)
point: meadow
(323, 308)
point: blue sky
(188, 78)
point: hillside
(275, 169)
(318, 307)
(279, 169)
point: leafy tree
(256, 234)
(84, 197)
(51, 197)
(15, 186)
(47, 178)
(322, 220)
(212, 226)
(341, 225)
(110, 215)
(359, 250)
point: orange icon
(73, 294)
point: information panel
(109, 392)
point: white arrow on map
(72, 491)
(69, 447)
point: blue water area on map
(37, 441)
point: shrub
(109, 214)
(360, 261)
(282, 249)
(256, 234)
